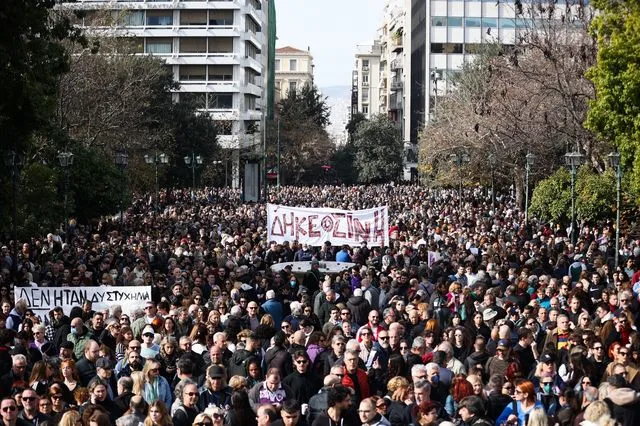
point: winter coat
(303, 386)
(274, 308)
(278, 357)
(239, 362)
(359, 308)
(624, 404)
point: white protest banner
(314, 226)
(42, 299)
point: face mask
(74, 330)
(547, 388)
(435, 380)
(292, 283)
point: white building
(366, 80)
(216, 50)
(294, 69)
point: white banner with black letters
(42, 299)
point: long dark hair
(242, 409)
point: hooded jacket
(239, 361)
(624, 404)
(359, 308)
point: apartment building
(217, 51)
(293, 68)
(365, 92)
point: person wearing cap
(498, 363)
(471, 410)
(215, 392)
(104, 370)
(149, 348)
(150, 314)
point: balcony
(365, 68)
(396, 44)
(365, 84)
(396, 64)
(397, 84)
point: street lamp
(66, 160)
(492, 164)
(193, 162)
(529, 159)
(459, 159)
(157, 159)
(614, 161)
(122, 160)
(13, 162)
(573, 160)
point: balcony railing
(396, 64)
(397, 84)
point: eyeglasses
(216, 416)
(345, 313)
(11, 408)
(191, 393)
(625, 353)
(29, 398)
(547, 383)
(286, 326)
(366, 333)
(204, 423)
(597, 348)
(56, 396)
(253, 307)
(134, 348)
(404, 348)
(383, 337)
(148, 335)
(301, 361)
(154, 370)
(586, 382)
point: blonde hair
(398, 387)
(595, 410)
(538, 417)
(70, 418)
(138, 382)
(237, 383)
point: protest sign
(42, 299)
(314, 226)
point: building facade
(365, 96)
(216, 50)
(294, 69)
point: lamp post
(122, 160)
(66, 160)
(459, 159)
(529, 159)
(193, 162)
(492, 164)
(573, 160)
(13, 162)
(157, 159)
(614, 161)
(435, 77)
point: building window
(490, 22)
(446, 47)
(133, 18)
(193, 72)
(293, 86)
(473, 22)
(365, 96)
(453, 21)
(221, 72)
(365, 109)
(277, 64)
(193, 17)
(365, 63)
(220, 100)
(293, 65)
(365, 79)
(159, 45)
(198, 100)
(159, 18)
(224, 127)
(438, 21)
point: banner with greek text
(42, 299)
(314, 226)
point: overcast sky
(332, 29)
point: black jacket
(239, 362)
(278, 357)
(359, 307)
(303, 386)
(86, 370)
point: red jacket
(363, 381)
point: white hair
(236, 310)
(417, 369)
(18, 357)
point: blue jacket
(520, 413)
(274, 308)
(163, 392)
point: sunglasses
(148, 335)
(29, 398)
(383, 337)
(301, 361)
(204, 423)
(134, 348)
(11, 408)
(586, 382)
(56, 396)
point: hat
(548, 358)
(104, 363)
(503, 344)
(148, 329)
(216, 372)
(489, 314)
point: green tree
(378, 147)
(304, 141)
(614, 114)
(40, 207)
(595, 196)
(353, 123)
(343, 160)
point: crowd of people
(470, 317)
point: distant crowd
(470, 317)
